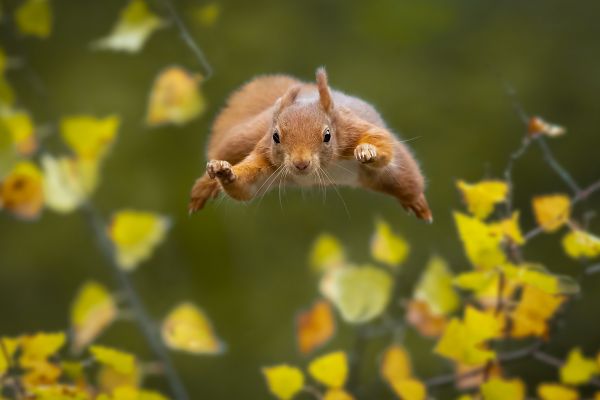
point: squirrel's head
(303, 134)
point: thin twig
(514, 156)
(188, 39)
(555, 165)
(143, 319)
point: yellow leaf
(481, 197)
(108, 379)
(8, 348)
(387, 247)
(39, 347)
(175, 97)
(538, 276)
(121, 361)
(187, 328)
(580, 244)
(131, 393)
(535, 308)
(395, 365)
(410, 389)
(327, 253)
(206, 15)
(554, 391)
(59, 392)
(552, 211)
(34, 17)
(21, 192)
(537, 126)
(135, 25)
(20, 127)
(89, 137)
(315, 326)
(501, 389)
(476, 281)
(464, 341)
(68, 182)
(578, 370)
(330, 369)
(435, 288)
(482, 244)
(509, 228)
(284, 381)
(92, 311)
(360, 293)
(135, 234)
(337, 394)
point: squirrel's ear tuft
(324, 92)
(287, 99)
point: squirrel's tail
(203, 190)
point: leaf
(20, 127)
(580, 244)
(93, 310)
(552, 211)
(39, 347)
(538, 276)
(482, 243)
(135, 25)
(501, 389)
(578, 370)
(175, 97)
(426, 322)
(360, 293)
(284, 381)
(59, 392)
(535, 308)
(131, 393)
(327, 253)
(554, 391)
(315, 327)
(463, 341)
(206, 15)
(509, 229)
(410, 389)
(108, 379)
(135, 234)
(21, 192)
(67, 182)
(387, 247)
(330, 369)
(482, 197)
(10, 345)
(435, 288)
(34, 17)
(121, 361)
(337, 394)
(395, 364)
(537, 126)
(188, 329)
(476, 281)
(89, 137)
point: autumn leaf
(89, 137)
(135, 234)
(555, 391)
(131, 393)
(119, 360)
(34, 17)
(21, 192)
(509, 228)
(387, 247)
(537, 126)
(175, 97)
(284, 381)
(482, 244)
(330, 369)
(501, 389)
(38, 347)
(135, 25)
(580, 244)
(538, 276)
(435, 287)
(20, 127)
(395, 364)
(315, 327)
(7, 349)
(482, 197)
(337, 394)
(426, 322)
(578, 369)
(360, 293)
(188, 329)
(327, 252)
(552, 211)
(535, 308)
(410, 389)
(108, 379)
(92, 311)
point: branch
(136, 304)
(555, 165)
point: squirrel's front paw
(220, 169)
(365, 153)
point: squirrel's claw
(220, 169)
(365, 153)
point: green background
(435, 70)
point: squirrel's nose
(302, 164)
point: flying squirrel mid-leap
(279, 128)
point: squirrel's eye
(327, 135)
(276, 136)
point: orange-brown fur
(245, 157)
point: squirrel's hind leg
(203, 190)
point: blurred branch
(133, 299)
(188, 39)
(555, 165)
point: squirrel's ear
(324, 92)
(287, 99)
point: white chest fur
(340, 173)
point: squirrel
(278, 127)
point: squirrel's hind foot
(420, 208)
(203, 190)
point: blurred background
(436, 71)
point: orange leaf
(314, 327)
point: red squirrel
(279, 128)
